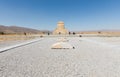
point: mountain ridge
(18, 30)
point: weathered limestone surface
(60, 29)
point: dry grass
(105, 33)
(15, 37)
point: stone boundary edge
(19, 45)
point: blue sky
(78, 15)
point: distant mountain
(18, 30)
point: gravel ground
(9, 43)
(88, 59)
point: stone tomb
(60, 29)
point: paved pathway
(39, 60)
